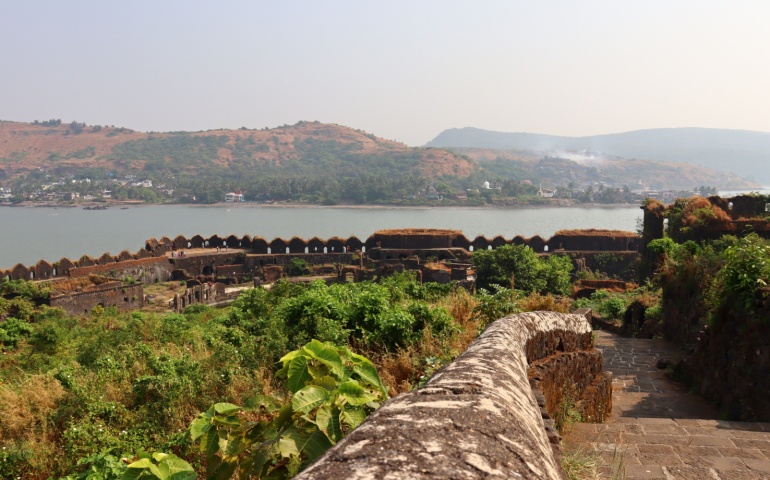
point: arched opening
(665, 224)
(363, 249)
(470, 248)
(287, 250)
(208, 270)
(730, 206)
(545, 248)
(489, 247)
(55, 271)
(269, 250)
(31, 274)
(189, 244)
(307, 250)
(325, 251)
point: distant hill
(309, 162)
(742, 152)
(307, 148)
(585, 170)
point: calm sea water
(31, 234)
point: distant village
(134, 189)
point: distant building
(545, 193)
(234, 197)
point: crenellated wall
(159, 250)
(480, 417)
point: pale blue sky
(403, 70)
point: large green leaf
(325, 354)
(226, 408)
(210, 442)
(309, 398)
(137, 468)
(257, 402)
(368, 373)
(327, 382)
(199, 426)
(224, 471)
(355, 394)
(287, 446)
(352, 417)
(327, 419)
(298, 374)
(284, 416)
(313, 444)
(236, 446)
(230, 421)
(290, 356)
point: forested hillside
(324, 162)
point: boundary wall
(485, 415)
(155, 251)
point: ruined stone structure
(739, 215)
(243, 256)
(729, 360)
(202, 293)
(485, 415)
(78, 296)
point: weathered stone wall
(123, 297)
(729, 366)
(206, 294)
(254, 261)
(623, 265)
(476, 418)
(316, 250)
(146, 270)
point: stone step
(676, 448)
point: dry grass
(595, 232)
(580, 464)
(536, 301)
(25, 411)
(403, 370)
(25, 408)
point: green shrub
(519, 267)
(12, 330)
(297, 267)
(746, 268)
(332, 391)
(613, 307)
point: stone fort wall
(151, 263)
(486, 414)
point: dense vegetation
(716, 279)
(113, 385)
(263, 387)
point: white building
(234, 197)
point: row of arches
(44, 270)
(258, 245)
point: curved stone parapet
(476, 418)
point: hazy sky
(403, 70)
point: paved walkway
(660, 431)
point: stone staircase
(658, 430)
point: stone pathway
(660, 431)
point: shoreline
(119, 205)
